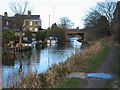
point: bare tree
(102, 27)
(107, 9)
(19, 20)
(65, 23)
(91, 18)
(19, 8)
(57, 32)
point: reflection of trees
(38, 52)
(20, 68)
(29, 54)
(63, 46)
(8, 60)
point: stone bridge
(74, 33)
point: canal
(37, 60)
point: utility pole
(49, 21)
(53, 14)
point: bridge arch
(77, 35)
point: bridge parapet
(74, 33)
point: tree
(19, 8)
(8, 35)
(40, 36)
(102, 27)
(19, 20)
(105, 8)
(91, 18)
(65, 23)
(116, 23)
(58, 32)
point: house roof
(31, 17)
(7, 18)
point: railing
(16, 49)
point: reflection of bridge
(74, 33)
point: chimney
(29, 12)
(5, 14)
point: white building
(32, 22)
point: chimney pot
(29, 12)
(5, 14)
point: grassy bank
(88, 60)
(72, 83)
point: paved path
(105, 68)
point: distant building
(7, 22)
(30, 22)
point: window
(27, 22)
(35, 23)
(30, 29)
(36, 29)
(30, 23)
(7, 23)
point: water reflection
(36, 61)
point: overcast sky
(75, 10)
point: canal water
(37, 60)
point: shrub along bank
(84, 61)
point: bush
(61, 72)
(7, 45)
(58, 32)
(40, 36)
(8, 35)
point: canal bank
(57, 73)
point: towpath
(105, 67)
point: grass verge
(71, 83)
